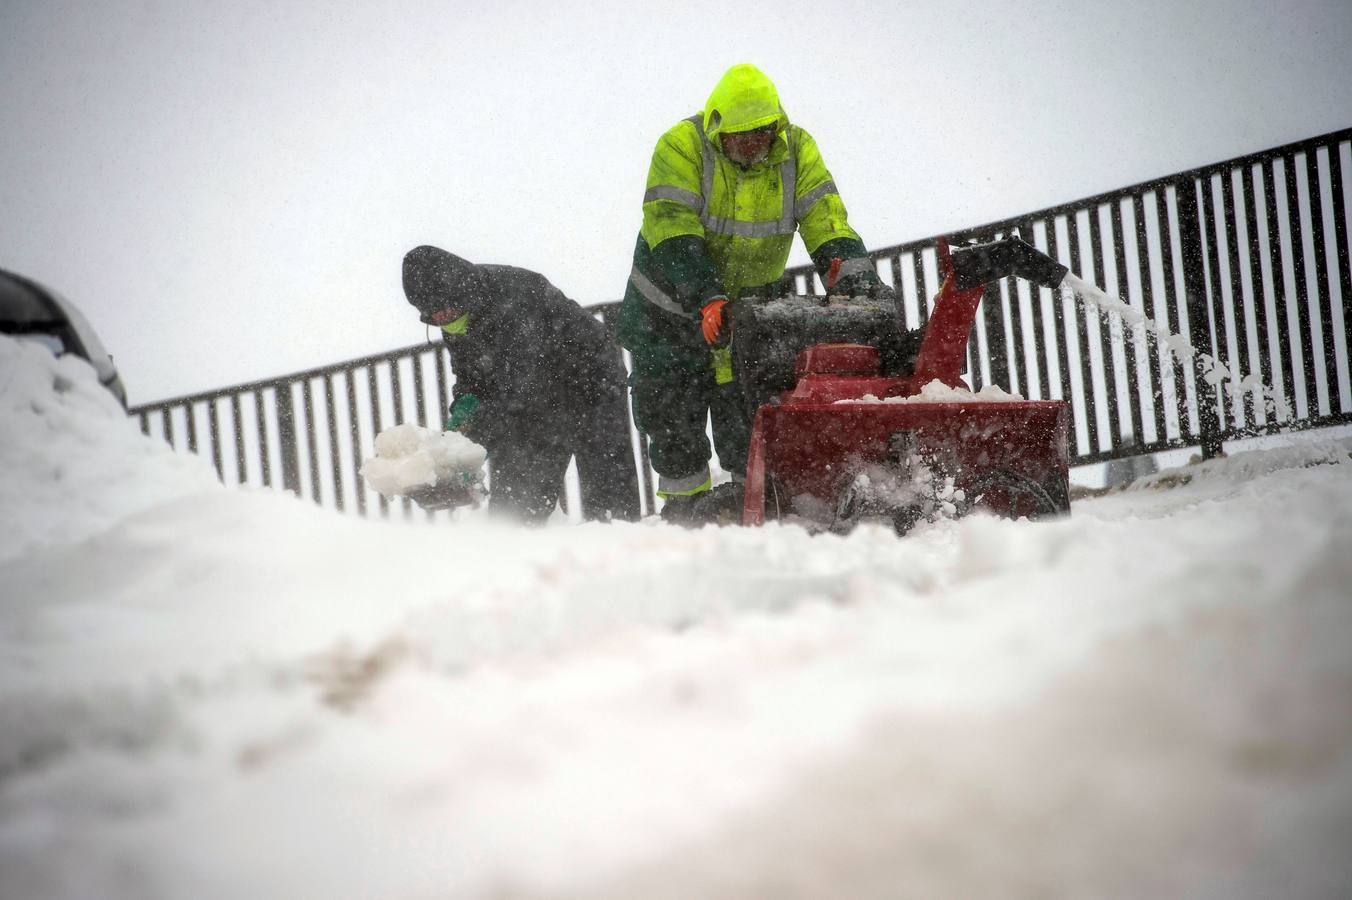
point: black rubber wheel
(1016, 496)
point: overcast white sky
(227, 190)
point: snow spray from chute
(1209, 369)
(974, 265)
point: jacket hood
(436, 280)
(745, 98)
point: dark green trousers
(674, 395)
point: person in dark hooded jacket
(537, 380)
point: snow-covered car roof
(29, 310)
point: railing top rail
(320, 372)
(279, 380)
(1307, 144)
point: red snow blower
(857, 419)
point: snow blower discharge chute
(850, 425)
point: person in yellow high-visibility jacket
(727, 189)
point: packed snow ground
(215, 693)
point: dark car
(32, 312)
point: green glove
(461, 411)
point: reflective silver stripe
(706, 165)
(788, 183)
(805, 202)
(788, 176)
(682, 486)
(706, 153)
(680, 195)
(857, 265)
(654, 294)
(720, 225)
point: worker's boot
(721, 505)
(680, 510)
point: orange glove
(833, 275)
(711, 323)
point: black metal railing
(1246, 259)
(1233, 256)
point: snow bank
(71, 462)
(410, 456)
(236, 694)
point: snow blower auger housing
(850, 424)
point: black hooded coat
(549, 379)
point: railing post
(1199, 327)
(286, 439)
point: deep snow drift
(211, 693)
(65, 474)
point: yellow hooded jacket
(745, 217)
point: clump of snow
(938, 392)
(71, 462)
(409, 456)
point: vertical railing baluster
(1108, 440)
(419, 401)
(376, 424)
(284, 406)
(1150, 346)
(1341, 250)
(1018, 356)
(214, 424)
(1260, 318)
(1190, 225)
(354, 431)
(397, 398)
(974, 348)
(1130, 352)
(1219, 346)
(191, 423)
(311, 433)
(1297, 233)
(1059, 334)
(1173, 296)
(1239, 305)
(443, 387)
(894, 263)
(397, 391)
(1285, 340)
(997, 348)
(922, 292)
(263, 453)
(335, 456)
(1082, 339)
(1321, 279)
(241, 466)
(1039, 359)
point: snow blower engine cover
(768, 336)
